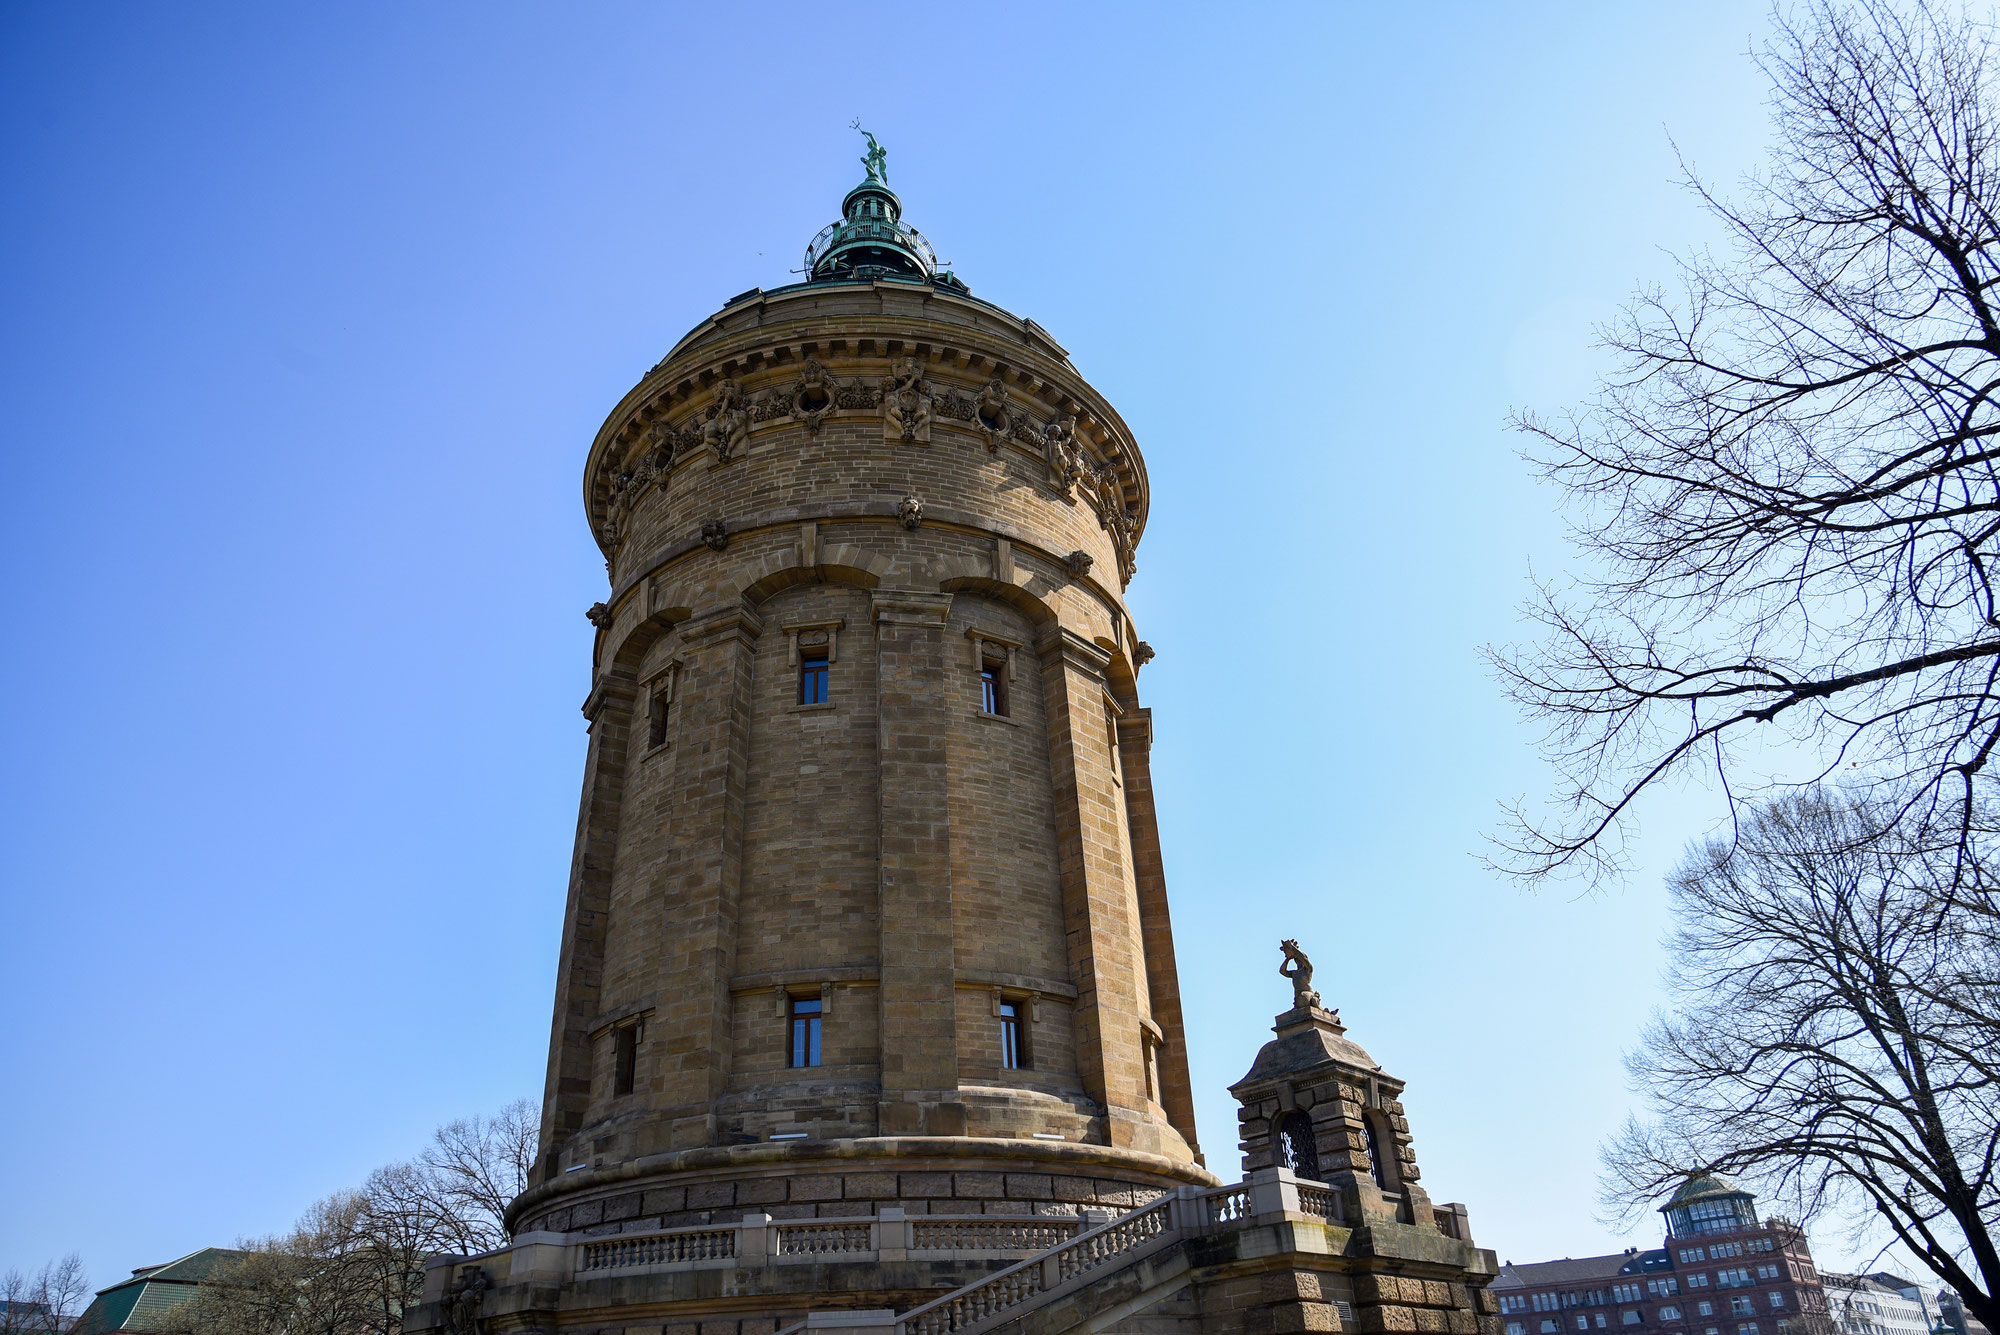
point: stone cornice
(902, 607)
(764, 340)
(1077, 650)
(903, 1151)
(734, 619)
(602, 693)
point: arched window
(1297, 1148)
(1374, 1152)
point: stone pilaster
(579, 986)
(919, 1015)
(701, 877)
(1135, 744)
(1099, 906)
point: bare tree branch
(1835, 1029)
(1790, 487)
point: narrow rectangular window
(624, 1057)
(1013, 1038)
(812, 679)
(656, 719)
(805, 1032)
(1111, 744)
(993, 687)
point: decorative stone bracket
(814, 634)
(981, 640)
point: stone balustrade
(1050, 1255)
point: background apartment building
(1879, 1304)
(1721, 1272)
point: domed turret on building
(1709, 1203)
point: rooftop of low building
(1583, 1269)
(138, 1305)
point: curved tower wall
(915, 484)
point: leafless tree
(46, 1302)
(1834, 1031)
(1788, 489)
(480, 1164)
(357, 1258)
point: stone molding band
(661, 557)
(1017, 1155)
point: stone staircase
(1133, 1264)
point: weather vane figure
(877, 159)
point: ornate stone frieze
(1123, 526)
(618, 507)
(956, 407)
(994, 414)
(812, 396)
(908, 404)
(463, 1300)
(728, 425)
(1064, 455)
(664, 443)
(857, 393)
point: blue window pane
(805, 1032)
(812, 679)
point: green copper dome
(870, 240)
(1709, 1203)
(1704, 1187)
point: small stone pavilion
(867, 1014)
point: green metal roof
(1703, 1187)
(141, 1303)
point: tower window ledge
(996, 718)
(652, 751)
(820, 708)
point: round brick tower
(867, 910)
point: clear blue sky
(311, 312)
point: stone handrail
(1226, 1205)
(679, 1246)
(760, 1240)
(1111, 1241)
(825, 1237)
(1319, 1200)
(989, 1233)
(1190, 1211)
(1009, 1288)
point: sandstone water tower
(867, 990)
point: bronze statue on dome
(877, 158)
